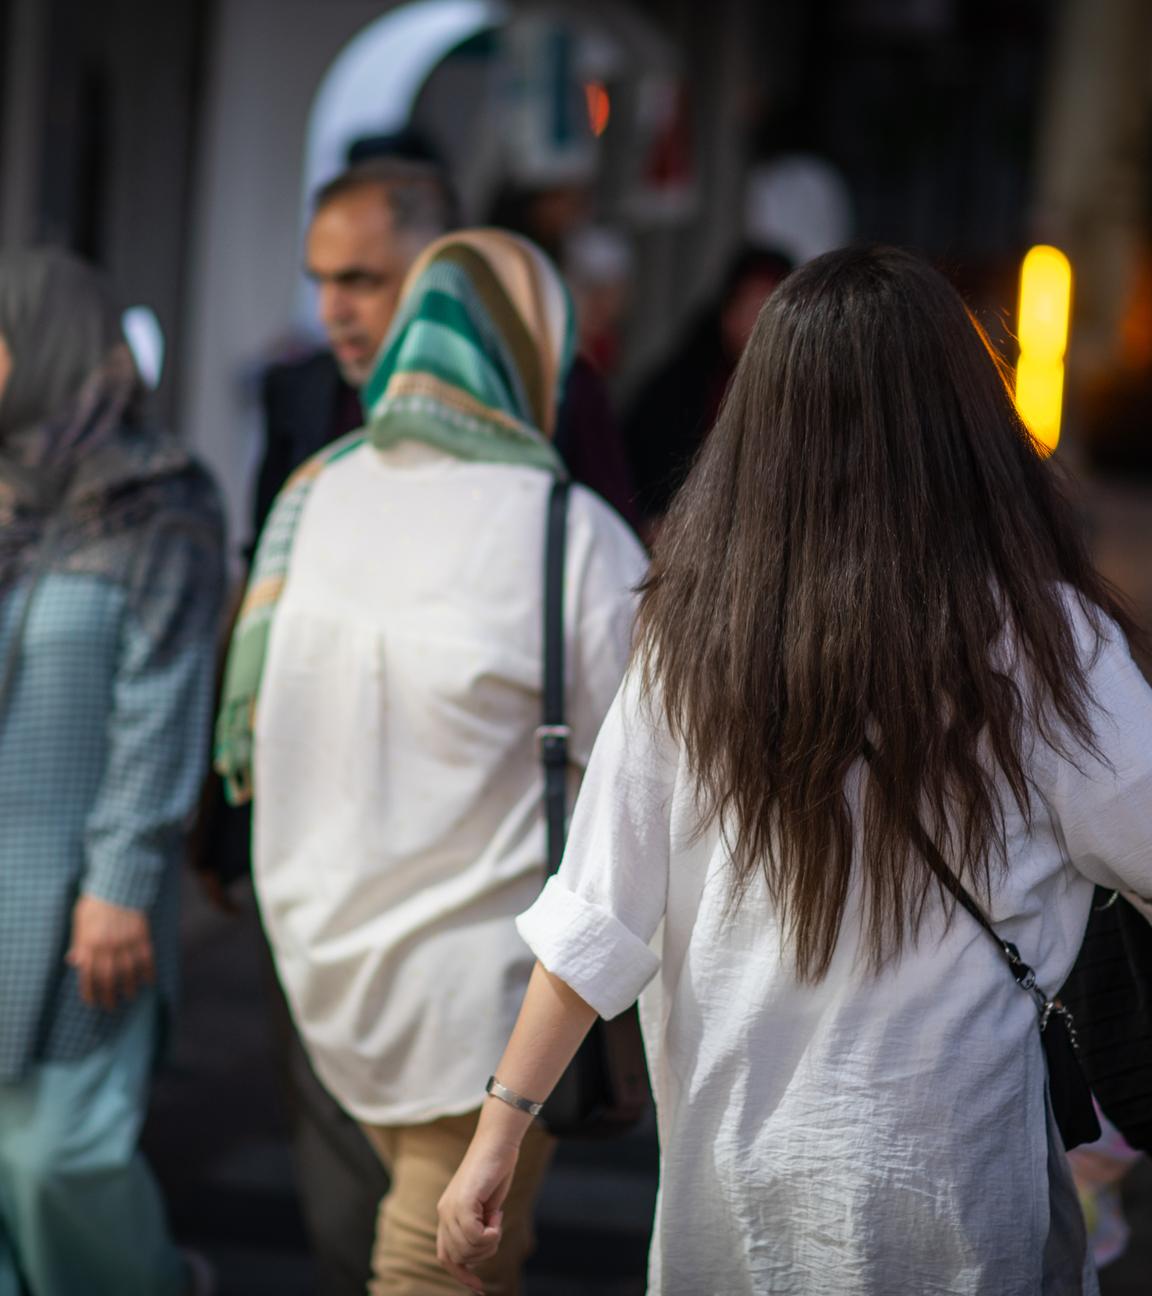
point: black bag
(604, 1091)
(1068, 1088)
(1110, 992)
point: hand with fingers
(111, 951)
(471, 1212)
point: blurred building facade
(176, 144)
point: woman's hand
(470, 1209)
(553, 1020)
(111, 951)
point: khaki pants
(421, 1160)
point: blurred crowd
(355, 722)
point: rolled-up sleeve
(588, 948)
(593, 923)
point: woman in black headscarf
(677, 405)
(110, 584)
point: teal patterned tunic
(103, 745)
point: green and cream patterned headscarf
(474, 364)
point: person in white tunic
(392, 649)
(871, 639)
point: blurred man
(368, 226)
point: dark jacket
(307, 405)
(672, 414)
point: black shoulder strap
(552, 735)
(1025, 977)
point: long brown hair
(867, 527)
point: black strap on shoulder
(1024, 975)
(553, 733)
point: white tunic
(398, 825)
(863, 1136)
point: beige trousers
(421, 1160)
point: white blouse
(866, 1136)
(398, 826)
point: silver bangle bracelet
(513, 1099)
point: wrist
(517, 1101)
(501, 1125)
(129, 899)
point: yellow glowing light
(1045, 306)
(599, 107)
(1039, 397)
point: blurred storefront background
(646, 140)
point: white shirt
(864, 1136)
(398, 823)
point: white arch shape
(410, 41)
(354, 99)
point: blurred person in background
(880, 698)
(556, 219)
(390, 650)
(111, 581)
(548, 214)
(677, 405)
(598, 266)
(368, 226)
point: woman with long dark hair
(873, 657)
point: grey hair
(61, 323)
(419, 194)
